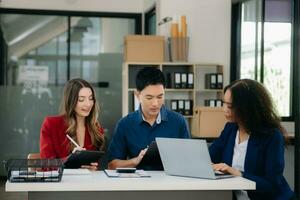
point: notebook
(187, 157)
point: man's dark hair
(149, 76)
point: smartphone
(125, 169)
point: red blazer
(53, 140)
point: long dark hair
(253, 107)
(67, 108)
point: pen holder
(178, 49)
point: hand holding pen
(93, 166)
(77, 147)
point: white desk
(158, 186)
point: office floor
(11, 195)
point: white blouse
(238, 162)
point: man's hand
(139, 158)
(93, 166)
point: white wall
(78, 5)
(209, 24)
(208, 21)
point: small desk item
(151, 160)
(84, 157)
(76, 172)
(187, 157)
(34, 170)
(125, 169)
(137, 174)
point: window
(40, 51)
(150, 22)
(266, 47)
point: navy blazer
(264, 161)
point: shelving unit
(197, 94)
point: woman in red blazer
(78, 119)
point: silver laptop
(187, 157)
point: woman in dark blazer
(252, 142)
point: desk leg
(132, 195)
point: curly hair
(253, 107)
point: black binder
(170, 80)
(183, 80)
(174, 105)
(219, 81)
(188, 107)
(181, 106)
(211, 81)
(177, 80)
(219, 103)
(209, 102)
(190, 80)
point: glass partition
(35, 68)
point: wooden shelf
(178, 90)
(209, 90)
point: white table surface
(159, 181)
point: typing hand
(138, 159)
(78, 149)
(93, 166)
(223, 167)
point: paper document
(76, 172)
(137, 174)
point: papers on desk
(77, 172)
(137, 174)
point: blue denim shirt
(132, 133)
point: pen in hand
(77, 145)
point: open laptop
(187, 157)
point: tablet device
(151, 160)
(79, 158)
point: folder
(190, 80)
(181, 106)
(210, 81)
(188, 107)
(183, 80)
(219, 81)
(170, 80)
(174, 105)
(209, 102)
(219, 103)
(177, 80)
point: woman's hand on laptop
(223, 167)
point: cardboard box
(208, 122)
(144, 48)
